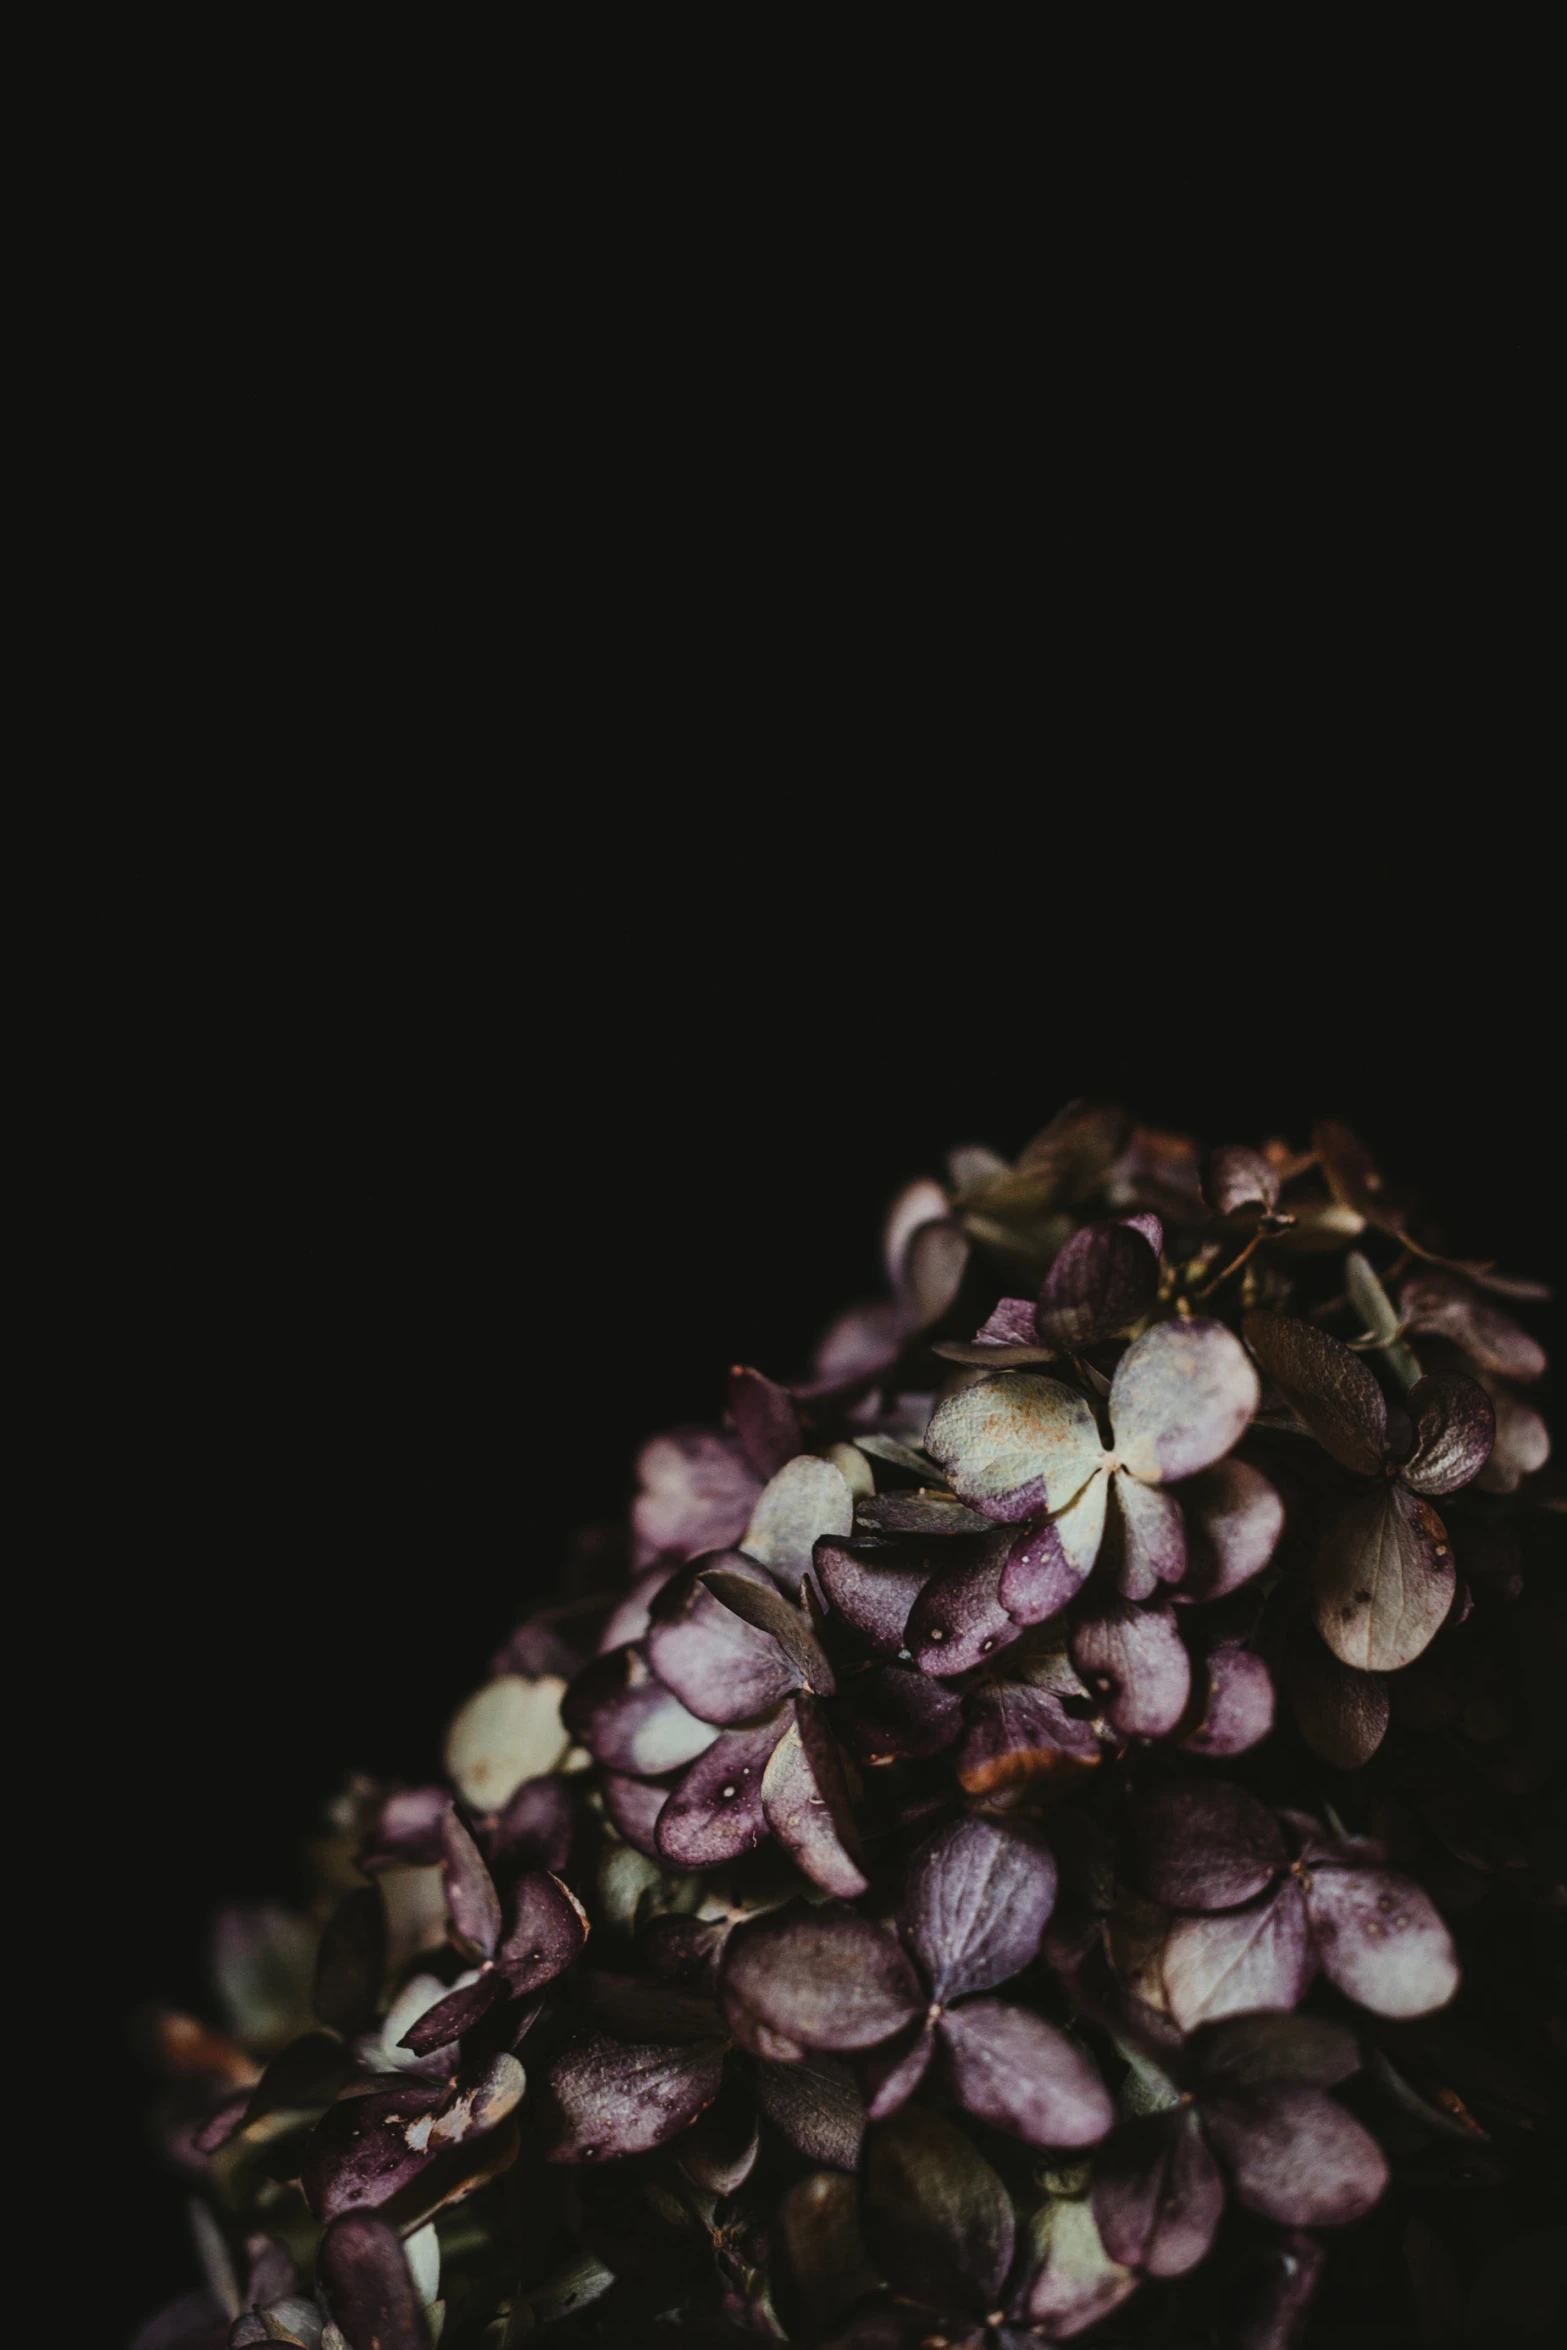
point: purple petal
(1202, 1845)
(1455, 1428)
(407, 1829)
(1015, 1443)
(766, 1422)
(1182, 1394)
(976, 1901)
(1437, 1304)
(629, 1620)
(1259, 1956)
(1150, 1226)
(861, 1343)
(508, 1731)
(1239, 1178)
(368, 2287)
(1327, 1386)
(873, 1585)
(310, 2071)
(1153, 1537)
(817, 2106)
(698, 1491)
(757, 1601)
(633, 1806)
(720, 1667)
(1383, 1580)
(536, 1828)
(472, 1903)
(805, 1500)
(933, 1270)
(1296, 2156)
(919, 1203)
(1077, 2283)
(1381, 1941)
(805, 1798)
(714, 1811)
(1523, 1442)
(629, 1721)
(1012, 1324)
(1013, 2069)
(936, 2215)
(892, 2072)
(1017, 1734)
(1250, 2051)
(1104, 1279)
(351, 1962)
(1133, 1659)
(918, 1513)
(1343, 1714)
(367, 2149)
(1158, 2194)
(1238, 1707)
(898, 1713)
(614, 2097)
(549, 1927)
(442, 2025)
(958, 1619)
(803, 1978)
(1234, 1518)
(1049, 1561)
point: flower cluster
(1031, 1830)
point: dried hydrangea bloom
(1020, 1828)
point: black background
(400, 1255)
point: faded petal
(1182, 1395)
(1380, 1940)
(472, 1903)
(805, 1500)
(1153, 1537)
(508, 1731)
(1077, 2281)
(976, 1901)
(1049, 1562)
(1383, 1580)
(1438, 1304)
(1258, 1956)
(1015, 1443)
(1015, 2070)
(757, 1601)
(1296, 2156)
